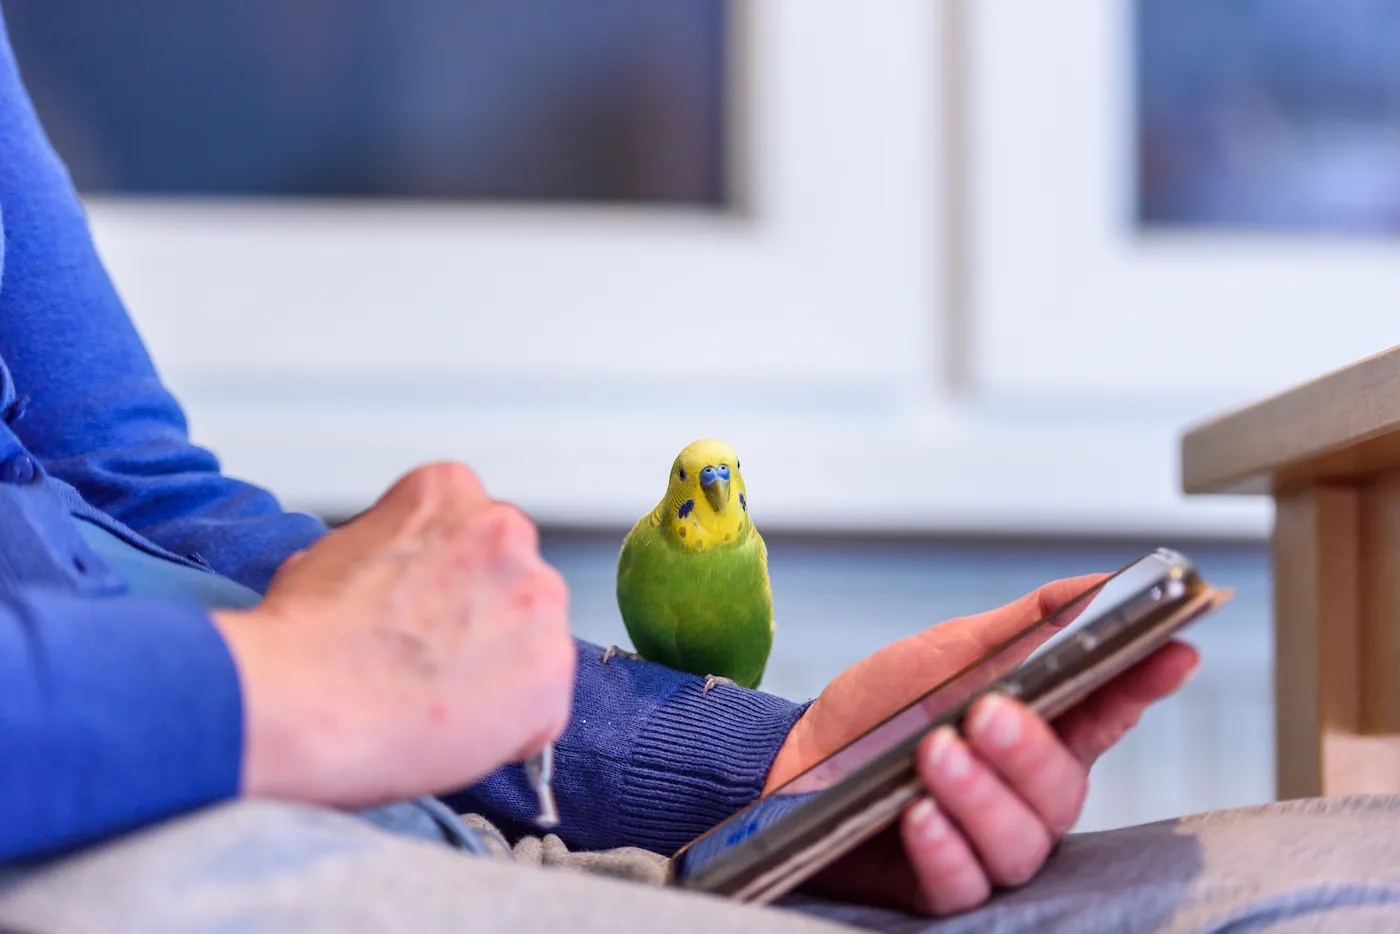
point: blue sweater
(117, 712)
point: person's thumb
(969, 638)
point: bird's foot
(614, 652)
(713, 680)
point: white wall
(569, 353)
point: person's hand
(1005, 795)
(409, 652)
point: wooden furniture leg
(1335, 630)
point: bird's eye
(682, 473)
(736, 463)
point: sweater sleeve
(97, 414)
(101, 735)
(646, 760)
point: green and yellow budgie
(692, 578)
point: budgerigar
(692, 578)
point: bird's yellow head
(706, 502)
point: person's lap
(261, 866)
(1298, 866)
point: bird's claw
(614, 651)
(713, 680)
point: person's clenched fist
(410, 652)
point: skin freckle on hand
(404, 647)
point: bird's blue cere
(724, 471)
(708, 475)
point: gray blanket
(1323, 865)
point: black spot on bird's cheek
(681, 531)
(685, 509)
(743, 502)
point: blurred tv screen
(610, 100)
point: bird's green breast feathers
(707, 612)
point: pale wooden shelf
(1338, 426)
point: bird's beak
(717, 492)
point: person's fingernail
(948, 756)
(928, 823)
(1192, 671)
(995, 722)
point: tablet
(781, 840)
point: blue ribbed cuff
(699, 759)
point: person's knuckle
(542, 595)
(416, 492)
(980, 790)
(548, 586)
(557, 719)
(431, 489)
(1068, 801)
(968, 891)
(1108, 731)
(1048, 775)
(450, 481)
(553, 697)
(510, 528)
(1129, 719)
(560, 659)
(1033, 760)
(546, 656)
(1021, 863)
